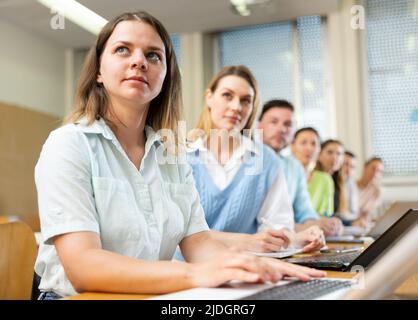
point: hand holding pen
(311, 239)
(282, 234)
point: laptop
(390, 216)
(317, 289)
(393, 213)
(399, 262)
(365, 259)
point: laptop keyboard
(344, 258)
(299, 290)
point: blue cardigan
(235, 208)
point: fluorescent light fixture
(242, 7)
(77, 13)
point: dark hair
(284, 104)
(338, 178)
(91, 98)
(306, 129)
(329, 141)
(350, 154)
(372, 159)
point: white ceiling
(177, 15)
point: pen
(287, 233)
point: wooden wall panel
(22, 134)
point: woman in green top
(321, 185)
(321, 189)
(306, 148)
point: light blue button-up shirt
(86, 182)
(298, 190)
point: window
(287, 60)
(267, 51)
(311, 75)
(392, 51)
(176, 40)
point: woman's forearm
(203, 246)
(305, 225)
(105, 271)
(229, 239)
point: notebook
(279, 254)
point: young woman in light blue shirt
(111, 212)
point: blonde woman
(111, 215)
(240, 182)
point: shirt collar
(250, 146)
(153, 138)
(247, 146)
(100, 127)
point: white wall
(197, 50)
(31, 71)
(344, 53)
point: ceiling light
(77, 13)
(242, 7)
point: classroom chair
(18, 252)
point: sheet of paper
(340, 238)
(279, 254)
(354, 231)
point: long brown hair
(91, 99)
(205, 123)
(338, 177)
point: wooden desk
(408, 290)
(115, 296)
(108, 296)
(4, 219)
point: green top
(321, 190)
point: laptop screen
(394, 212)
(386, 240)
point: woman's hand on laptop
(311, 239)
(232, 265)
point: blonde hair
(91, 100)
(204, 123)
